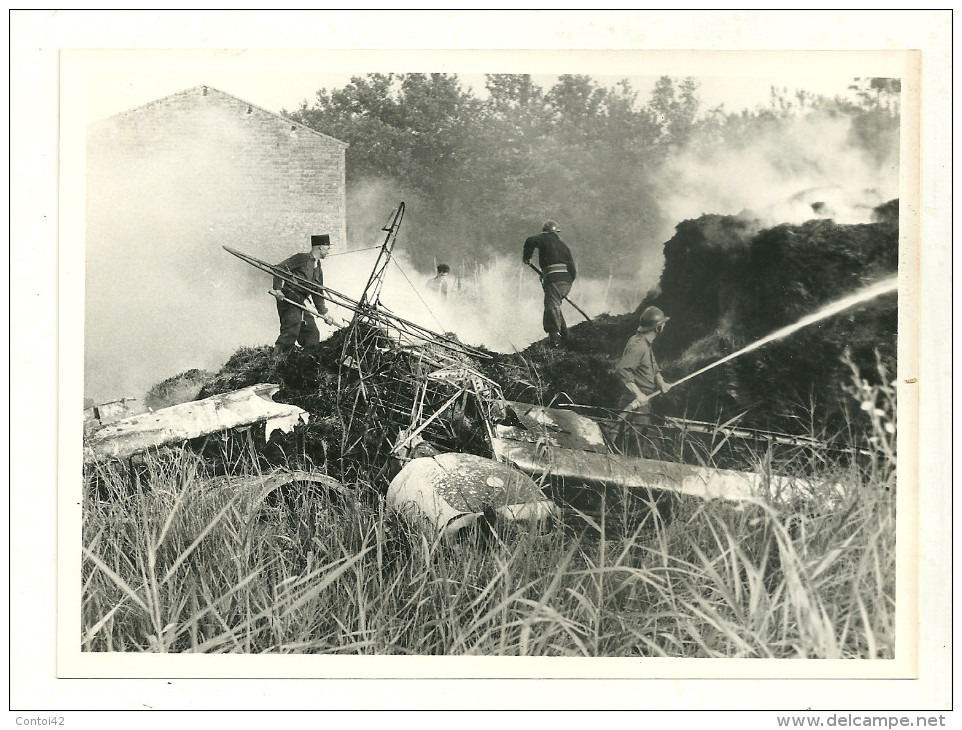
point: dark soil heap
(181, 388)
(307, 378)
(726, 283)
(726, 286)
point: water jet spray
(882, 287)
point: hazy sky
(116, 80)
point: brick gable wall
(249, 178)
(168, 185)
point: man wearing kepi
(638, 369)
(557, 274)
(296, 324)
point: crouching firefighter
(296, 324)
(557, 275)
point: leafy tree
(416, 130)
(673, 108)
(875, 124)
(481, 174)
(878, 93)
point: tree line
(481, 173)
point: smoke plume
(162, 296)
(497, 304)
(162, 299)
(796, 170)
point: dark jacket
(553, 256)
(302, 265)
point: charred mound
(726, 283)
(307, 378)
(181, 388)
(725, 292)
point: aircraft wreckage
(246, 407)
(420, 417)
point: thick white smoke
(162, 296)
(161, 301)
(799, 169)
(498, 305)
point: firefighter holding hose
(638, 369)
(296, 324)
(557, 275)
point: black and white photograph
(478, 363)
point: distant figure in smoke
(557, 275)
(637, 368)
(441, 284)
(296, 324)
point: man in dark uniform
(557, 275)
(296, 324)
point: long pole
(407, 327)
(310, 311)
(563, 297)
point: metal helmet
(652, 318)
(551, 227)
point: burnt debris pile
(308, 379)
(726, 283)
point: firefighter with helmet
(557, 275)
(638, 369)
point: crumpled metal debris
(446, 493)
(555, 427)
(110, 411)
(560, 447)
(239, 408)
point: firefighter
(639, 372)
(557, 275)
(441, 283)
(296, 324)
(637, 368)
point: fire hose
(882, 287)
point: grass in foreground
(189, 563)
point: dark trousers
(554, 321)
(296, 326)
